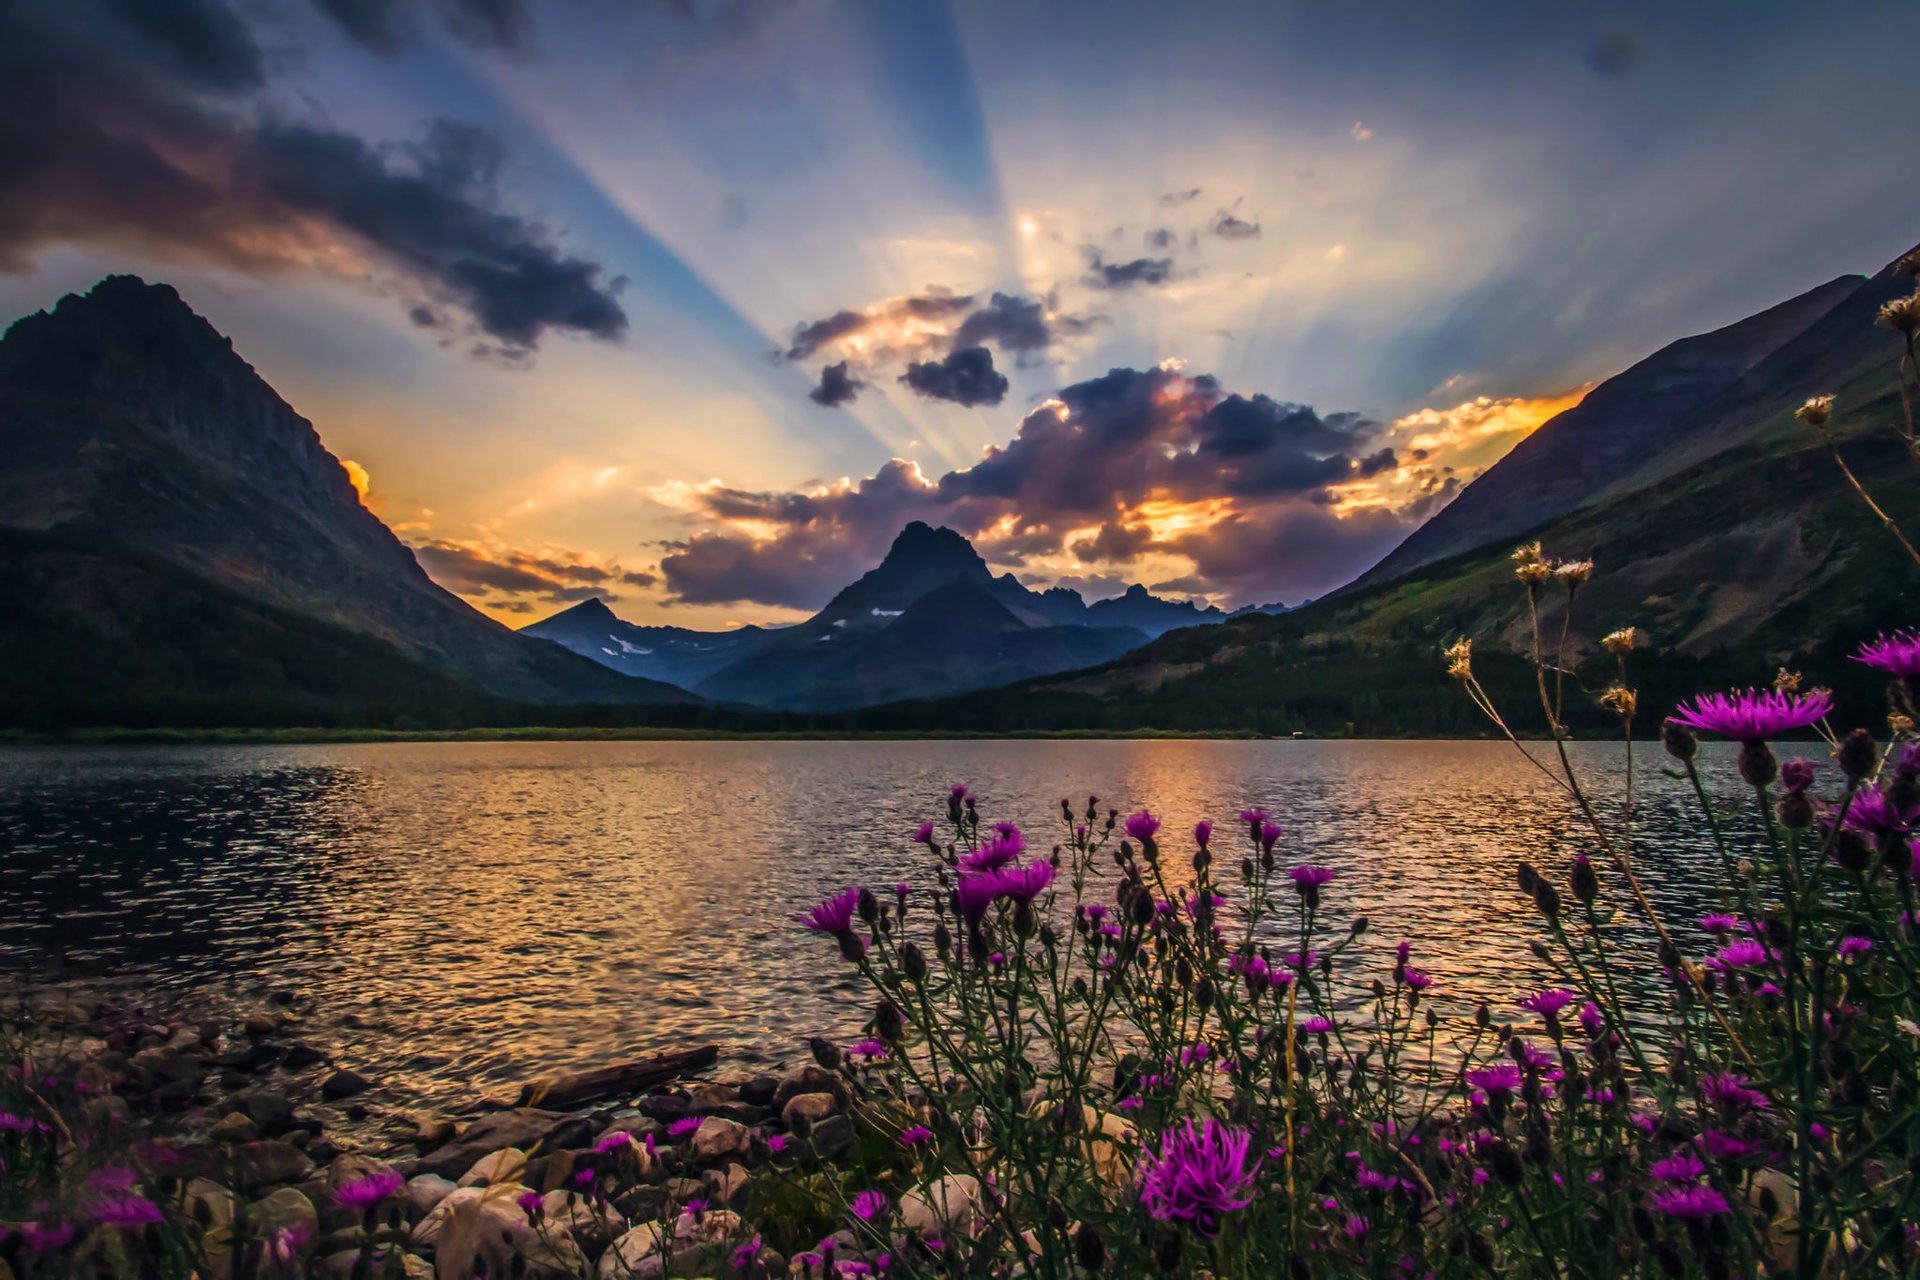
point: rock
(263, 1024)
(234, 1127)
(524, 1129)
(287, 1215)
(269, 1111)
(804, 1110)
(431, 1131)
(301, 1055)
(160, 1065)
(494, 1233)
(759, 1091)
(621, 1080)
(592, 1227)
(261, 1164)
(212, 1209)
(250, 1058)
(665, 1108)
(832, 1136)
(633, 1249)
(811, 1078)
(426, 1232)
(425, 1190)
(504, 1165)
(717, 1139)
(728, 1188)
(344, 1084)
(352, 1167)
(950, 1205)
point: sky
(692, 305)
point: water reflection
(473, 914)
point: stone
(352, 1167)
(620, 1080)
(493, 1233)
(759, 1091)
(234, 1127)
(725, 1187)
(812, 1078)
(426, 1232)
(717, 1139)
(425, 1190)
(431, 1131)
(804, 1110)
(950, 1205)
(504, 1165)
(665, 1108)
(263, 1024)
(212, 1209)
(525, 1129)
(832, 1136)
(592, 1227)
(287, 1214)
(250, 1058)
(301, 1055)
(261, 1164)
(269, 1111)
(344, 1084)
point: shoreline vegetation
(320, 736)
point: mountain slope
(127, 422)
(677, 655)
(1637, 415)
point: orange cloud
(358, 477)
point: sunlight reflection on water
(488, 911)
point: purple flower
(974, 895)
(1316, 1026)
(746, 1253)
(1026, 884)
(1417, 981)
(776, 1143)
(1357, 1227)
(1724, 1146)
(1719, 922)
(44, 1237)
(1730, 1093)
(1752, 715)
(1142, 825)
(1548, 1003)
(1253, 817)
(1871, 812)
(1696, 1204)
(834, 916)
(1681, 1166)
(1501, 1077)
(1796, 775)
(996, 853)
(1847, 948)
(113, 1178)
(1741, 953)
(915, 1134)
(958, 794)
(612, 1142)
(1310, 877)
(871, 1050)
(364, 1193)
(1269, 833)
(1592, 1021)
(870, 1205)
(683, 1128)
(1202, 832)
(1198, 1175)
(126, 1212)
(923, 834)
(1896, 654)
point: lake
(470, 915)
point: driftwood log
(621, 1079)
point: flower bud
(1585, 884)
(1795, 811)
(1857, 755)
(1757, 764)
(914, 961)
(869, 906)
(1089, 1250)
(1679, 740)
(889, 1023)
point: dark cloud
(1181, 197)
(837, 386)
(508, 577)
(1124, 275)
(385, 25)
(1012, 323)
(1161, 237)
(1090, 458)
(933, 306)
(128, 124)
(639, 578)
(965, 376)
(1228, 227)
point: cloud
(1228, 227)
(837, 386)
(1360, 131)
(908, 322)
(497, 575)
(1124, 275)
(1135, 469)
(966, 377)
(1161, 237)
(1181, 197)
(385, 25)
(1013, 323)
(357, 477)
(133, 126)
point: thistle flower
(1730, 1093)
(1902, 315)
(870, 1205)
(1025, 884)
(834, 916)
(1142, 825)
(126, 1212)
(1681, 1166)
(614, 1141)
(1695, 1204)
(871, 1050)
(683, 1128)
(1622, 642)
(1815, 411)
(1719, 922)
(1269, 833)
(1752, 716)
(1199, 1175)
(1305, 878)
(915, 1135)
(1796, 775)
(1724, 1146)
(44, 1237)
(1459, 656)
(1202, 832)
(1501, 1077)
(1741, 953)
(1897, 653)
(974, 895)
(923, 834)
(530, 1203)
(1851, 947)
(1006, 846)
(1548, 1003)
(363, 1193)
(1416, 980)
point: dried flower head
(1815, 411)
(1459, 656)
(1533, 573)
(1902, 315)
(1573, 573)
(1908, 264)
(1621, 700)
(1785, 681)
(1620, 643)
(1527, 553)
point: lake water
(470, 915)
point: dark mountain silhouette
(130, 427)
(678, 655)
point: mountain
(134, 437)
(1725, 535)
(676, 655)
(881, 637)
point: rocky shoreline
(277, 1165)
